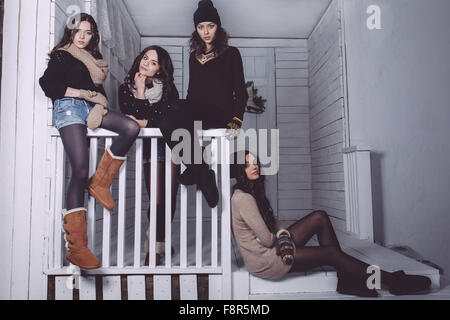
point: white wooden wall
(294, 179)
(327, 116)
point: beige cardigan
(256, 243)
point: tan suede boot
(99, 185)
(75, 228)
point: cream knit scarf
(98, 68)
(154, 94)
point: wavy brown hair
(220, 43)
(166, 70)
(256, 188)
(69, 33)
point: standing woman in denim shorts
(73, 80)
(145, 96)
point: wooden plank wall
(327, 116)
(294, 179)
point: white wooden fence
(219, 273)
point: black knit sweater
(219, 83)
(65, 71)
(142, 109)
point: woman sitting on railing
(270, 252)
(145, 97)
(73, 80)
(217, 95)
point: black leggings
(328, 252)
(161, 195)
(74, 138)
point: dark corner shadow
(377, 197)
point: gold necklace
(204, 58)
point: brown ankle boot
(99, 185)
(75, 227)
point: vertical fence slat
(106, 249)
(214, 231)
(112, 288)
(60, 164)
(87, 288)
(138, 204)
(183, 227)
(136, 287)
(215, 287)
(153, 186)
(55, 215)
(198, 223)
(198, 229)
(226, 221)
(188, 287)
(121, 216)
(162, 287)
(93, 157)
(62, 290)
(168, 200)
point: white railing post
(214, 230)
(106, 244)
(93, 157)
(121, 216)
(168, 217)
(226, 220)
(183, 224)
(138, 204)
(153, 204)
(358, 192)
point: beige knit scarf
(98, 68)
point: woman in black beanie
(217, 94)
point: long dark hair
(220, 43)
(69, 33)
(166, 70)
(256, 188)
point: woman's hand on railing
(142, 123)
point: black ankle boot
(189, 176)
(207, 184)
(402, 284)
(355, 286)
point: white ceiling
(241, 18)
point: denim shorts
(69, 111)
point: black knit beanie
(206, 12)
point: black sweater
(219, 83)
(142, 109)
(65, 71)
